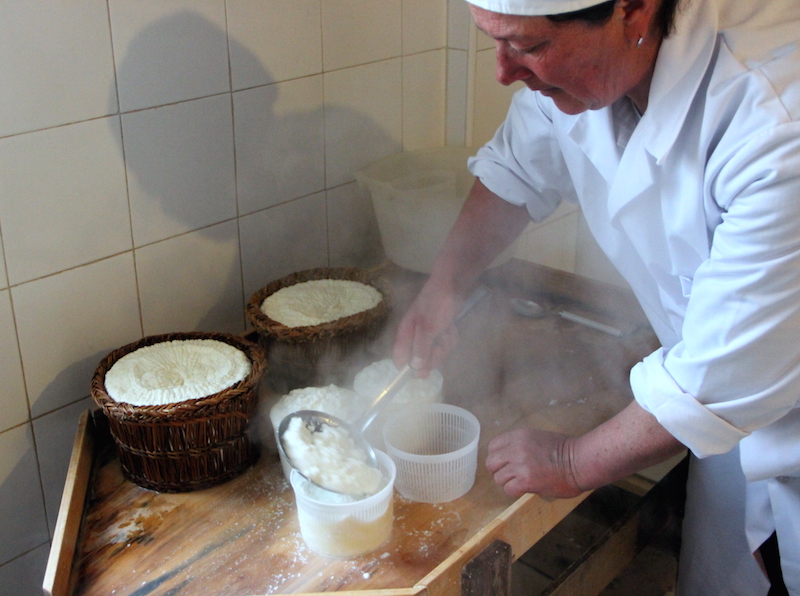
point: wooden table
(242, 538)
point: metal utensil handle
(591, 323)
(394, 387)
(385, 396)
(477, 295)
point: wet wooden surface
(242, 538)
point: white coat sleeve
(523, 163)
(737, 368)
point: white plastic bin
(417, 196)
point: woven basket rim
(345, 325)
(160, 413)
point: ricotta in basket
(319, 301)
(175, 371)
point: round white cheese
(319, 301)
(175, 371)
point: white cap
(534, 7)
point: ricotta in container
(330, 458)
(341, 526)
(373, 379)
(343, 403)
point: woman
(675, 128)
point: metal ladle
(316, 420)
(533, 310)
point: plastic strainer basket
(435, 449)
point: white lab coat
(698, 206)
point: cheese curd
(374, 378)
(343, 403)
(319, 301)
(175, 371)
(330, 458)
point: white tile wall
(22, 519)
(55, 436)
(273, 40)
(280, 141)
(491, 98)
(180, 164)
(62, 198)
(424, 85)
(168, 50)
(360, 31)
(3, 273)
(24, 574)
(68, 322)
(56, 63)
(424, 25)
(192, 282)
(272, 247)
(363, 117)
(353, 234)
(13, 401)
(456, 106)
(459, 25)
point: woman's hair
(601, 13)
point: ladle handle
(385, 396)
(477, 295)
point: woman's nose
(509, 68)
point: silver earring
(639, 43)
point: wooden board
(242, 538)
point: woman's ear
(637, 17)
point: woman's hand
(526, 460)
(485, 226)
(555, 465)
(426, 333)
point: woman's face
(579, 66)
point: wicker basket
(188, 445)
(320, 354)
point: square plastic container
(417, 196)
(435, 449)
(336, 526)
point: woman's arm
(485, 227)
(555, 465)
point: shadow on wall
(183, 187)
(182, 177)
(18, 478)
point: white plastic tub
(334, 526)
(417, 196)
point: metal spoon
(315, 420)
(529, 308)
